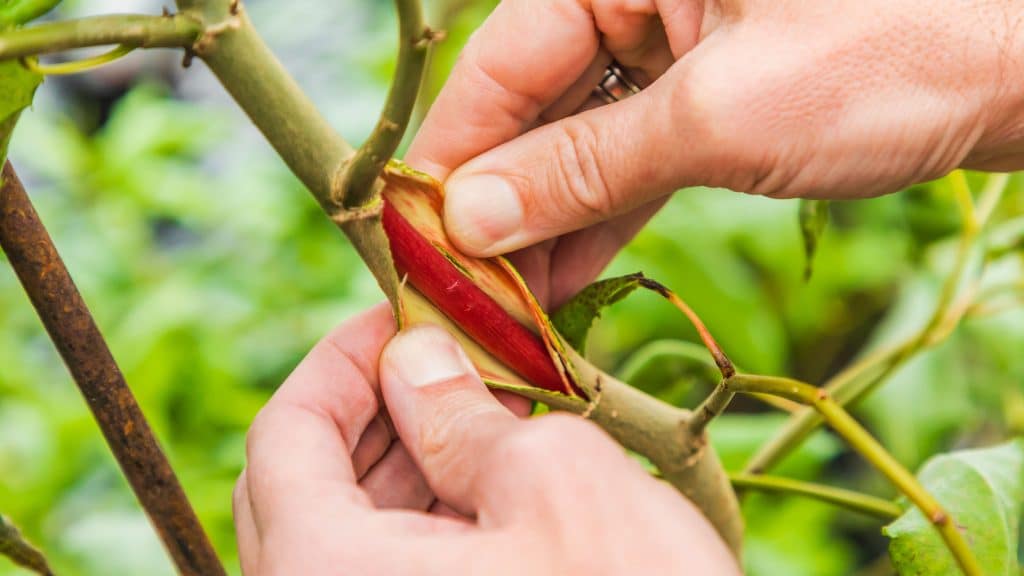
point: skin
(409, 465)
(784, 98)
(332, 488)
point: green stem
(177, 31)
(66, 68)
(856, 501)
(865, 376)
(863, 443)
(356, 180)
(711, 407)
(274, 102)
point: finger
(491, 97)
(299, 444)
(574, 173)
(245, 528)
(632, 31)
(581, 91)
(373, 444)
(443, 413)
(439, 508)
(396, 482)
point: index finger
(299, 446)
(518, 63)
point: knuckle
(444, 435)
(578, 171)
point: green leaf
(813, 219)
(17, 12)
(982, 491)
(17, 87)
(14, 547)
(574, 319)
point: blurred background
(211, 272)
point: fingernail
(480, 211)
(423, 355)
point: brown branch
(74, 332)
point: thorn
(233, 7)
(166, 12)
(939, 518)
(186, 60)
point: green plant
(347, 186)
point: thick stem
(355, 183)
(177, 31)
(861, 441)
(659, 431)
(71, 327)
(863, 503)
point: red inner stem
(468, 306)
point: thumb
(567, 175)
(445, 416)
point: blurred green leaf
(670, 370)
(17, 12)
(982, 490)
(813, 216)
(574, 319)
(17, 86)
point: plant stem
(711, 407)
(74, 333)
(356, 181)
(856, 501)
(135, 31)
(78, 66)
(19, 551)
(862, 442)
(866, 375)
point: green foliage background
(211, 273)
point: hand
(328, 491)
(777, 97)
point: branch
(355, 182)
(18, 550)
(866, 375)
(177, 31)
(74, 332)
(856, 501)
(862, 442)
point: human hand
(776, 97)
(328, 491)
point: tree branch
(355, 182)
(18, 550)
(177, 31)
(74, 333)
(856, 501)
(862, 442)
